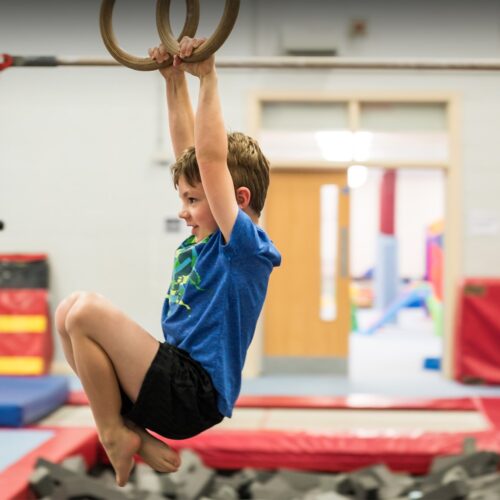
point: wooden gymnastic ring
(142, 63)
(213, 43)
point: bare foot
(121, 446)
(156, 453)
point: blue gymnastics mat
(18, 443)
(24, 400)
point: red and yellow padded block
(26, 345)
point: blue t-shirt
(215, 298)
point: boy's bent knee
(81, 311)
(63, 309)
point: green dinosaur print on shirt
(184, 273)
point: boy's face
(195, 209)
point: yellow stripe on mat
(21, 365)
(23, 323)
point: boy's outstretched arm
(210, 138)
(180, 111)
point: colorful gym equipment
(434, 273)
(477, 353)
(26, 345)
(361, 294)
(435, 308)
(434, 257)
(386, 274)
(417, 295)
(24, 400)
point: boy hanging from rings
(190, 382)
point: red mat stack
(26, 345)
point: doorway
(293, 138)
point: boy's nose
(183, 214)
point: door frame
(453, 223)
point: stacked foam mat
(26, 345)
(24, 400)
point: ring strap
(7, 61)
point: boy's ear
(243, 197)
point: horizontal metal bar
(358, 63)
(289, 62)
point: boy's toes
(123, 474)
(168, 467)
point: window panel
(304, 116)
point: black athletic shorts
(177, 398)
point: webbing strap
(6, 62)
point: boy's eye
(191, 200)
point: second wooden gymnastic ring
(143, 63)
(220, 35)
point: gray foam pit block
(237, 480)
(455, 473)
(146, 479)
(276, 488)
(153, 496)
(189, 462)
(300, 481)
(366, 488)
(196, 485)
(485, 482)
(76, 464)
(469, 445)
(475, 464)
(455, 490)
(224, 492)
(168, 487)
(192, 479)
(391, 485)
(359, 487)
(83, 485)
(307, 481)
(376, 481)
(107, 478)
(324, 495)
(41, 482)
(441, 463)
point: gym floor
(388, 363)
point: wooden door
(293, 326)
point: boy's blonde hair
(246, 162)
